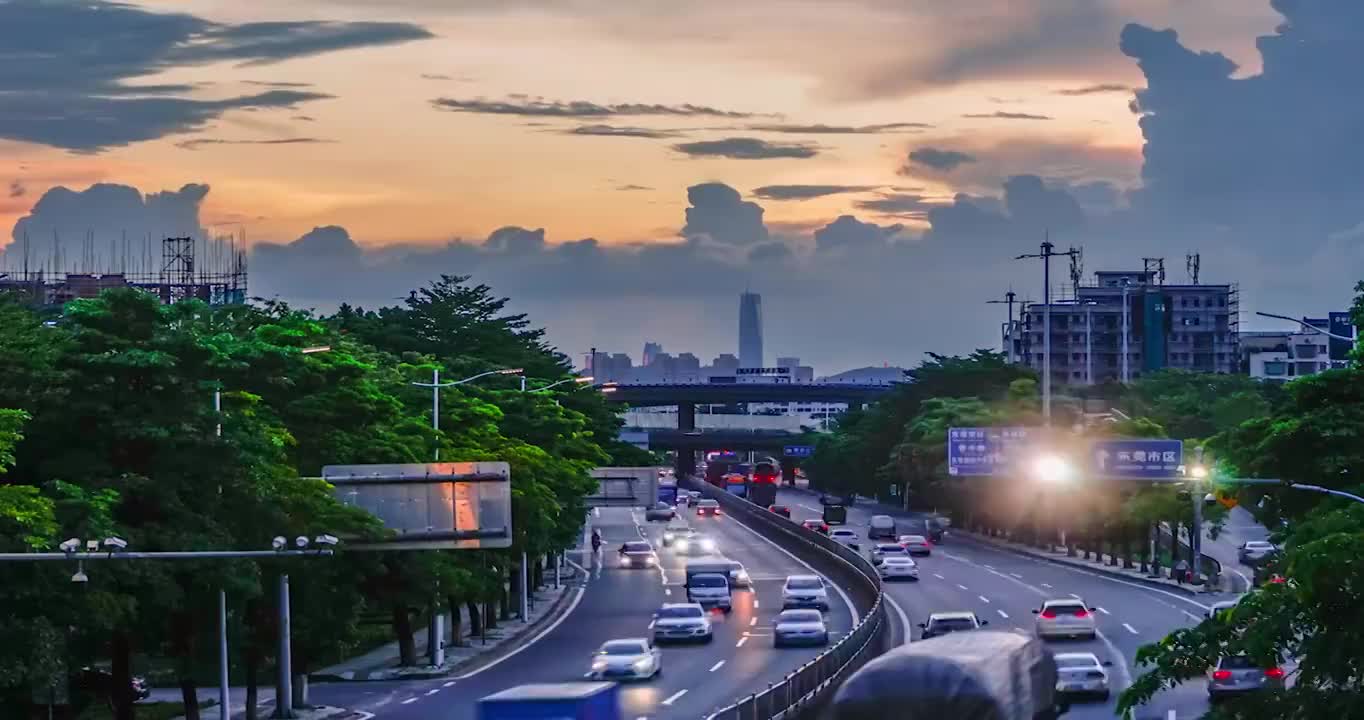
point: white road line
(846, 600)
(1045, 585)
(752, 622)
(1077, 597)
(963, 587)
(1171, 715)
(1194, 617)
(667, 591)
(448, 684)
(984, 599)
(674, 697)
(755, 603)
(717, 666)
(651, 624)
(571, 607)
(1020, 577)
(1104, 611)
(1131, 629)
(432, 691)
(362, 715)
(1003, 614)
(409, 701)
(939, 576)
(989, 567)
(741, 642)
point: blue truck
(667, 494)
(553, 701)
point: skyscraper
(651, 351)
(750, 330)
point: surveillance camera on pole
(70, 546)
(92, 545)
(114, 544)
(301, 541)
(328, 540)
(279, 543)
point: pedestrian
(1181, 571)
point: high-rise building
(651, 351)
(750, 330)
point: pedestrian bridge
(638, 420)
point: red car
(781, 510)
(817, 525)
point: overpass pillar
(788, 471)
(686, 422)
(686, 416)
(685, 465)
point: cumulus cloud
(70, 86)
(806, 192)
(618, 131)
(745, 148)
(848, 234)
(939, 159)
(719, 213)
(1001, 115)
(840, 129)
(898, 204)
(539, 107)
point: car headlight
(624, 560)
(641, 665)
(667, 536)
(743, 576)
(649, 560)
(707, 544)
(682, 544)
(598, 665)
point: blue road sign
(1137, 459)
(798, 451)
(983, 451)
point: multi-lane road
(1004, 588)
(616, 603)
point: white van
(882, 526)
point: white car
(846, 537)
(916, 544)
(804, 591)
(799, 627)
(679, 622)
(1253, 552)
(628, 658)
(881, 551)
(1081, 673)
(898, 566)
(1068, 617)
(693, 543)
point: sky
(623, 171)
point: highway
(619, 603)
(1004, 588)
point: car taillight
(1049, 614)
(1221, 675)
(1081, 613)
(1275, 673)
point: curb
(1100, 569)
(467, 664)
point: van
(732, 569)
(709, 589)
(835, 514)
(882, 526)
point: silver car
(1238, 675)
(799, 627)
(1069, 618)
(898, 566)
(804, 591)
(1254, 552)
(627, 659)
(679, 622)
(1081, 673)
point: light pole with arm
(1303, 322)
(436, 385)
(1046, 255)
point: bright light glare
(587, 379)
(1052, 469)
(510, 371)
(1198, 471)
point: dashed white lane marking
(939, 576)
(1003, 614)
(1045, 585)
(1077, 597)
(741, 642)
(409, 701)
(1131, 629)
(1192, 616)
(674, 697)
(752, 622)
(448, 684)
(988, 567)
(1020, 577)
(651, 624)
(717, 666)
(1171, 715)
(432, 691)
(667, 591)
(755, 603)
(1102, 610)
(963, 587)
(983, 599)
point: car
(943, 623)
(803, 591)
(816, 525)
(846, 537)
(1237, 675)
(1082, 673)
(916, 544)
(1218, 608)
(709, 588)
(673, 533)
(881, 526)
(880, 551)
(799, 627)
(1066, 617)
(731, 569)
(694, 495)
(660, 512)
(694, 543)
(781, 510)
(898, 566)
(626, 659)
(1254, 552)
(707, 506)
(678, 622)
(637, 554)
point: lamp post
(1089, 342)
(1046, 255)
(1303, 322)
(436, 385)
(578, 380)
(1126, 330)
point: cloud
(848, 234)
(17, 189)
(745, 148)
(632, 187)
(196, 143)
(303, 118)
(537, 107)
(719, 213)
(435, 76)
(806, 192)
(1098, 89)
(618, 131)
(277, 84)
(71, 63)
(840, 129)
(939, 159)
(904, 205)
(1001, 115)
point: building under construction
(214, 273)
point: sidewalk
(382, 662)
(265, 704)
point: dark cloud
(277, 83)
(303, 118)
(848, 234)
(719, 213)
(618, 131)
(1098, 89)
(745, 148)
(1001, 115)
(17, 189)
(905, 205)
(196, 143)
(841, 129)
(632, 187)
(806, 192)
(939, 159)
(772, 253)
(67, 79)
(537, 107)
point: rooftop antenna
(1192, 262)
(1009, 299)
(1158, 264)
(1077, 271)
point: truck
(962, 675)
(667, 494)
(762, 494)
(553, 701)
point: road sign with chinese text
(798, 451)
(1137, 459)
(984, 451)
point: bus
(718, 465)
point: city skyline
(875, 192)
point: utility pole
(1089, 343)
(1046, 255)
(1009, 299)
(1126, 330)
(1200, 473)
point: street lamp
(1303, 322)
(579, 380)
(1052, 469)
(436, 385)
